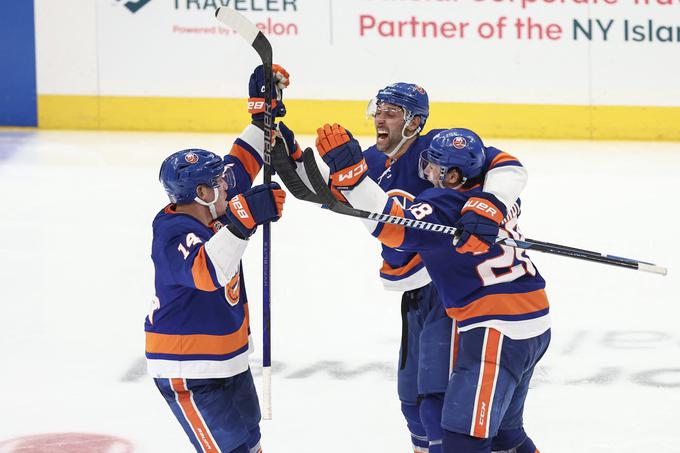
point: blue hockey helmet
(454, 148)
(182, 172)
(409, 96)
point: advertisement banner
(581, 53)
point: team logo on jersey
(402, 197)
(420, 89)
(233, 290)
(216, 226)
(459, 142)
(191, 158)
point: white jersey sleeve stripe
(225, 251)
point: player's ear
(413, 125)
(453, 177)
(203, 192)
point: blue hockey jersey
(501, 288)
(404, 270)
(199, 325)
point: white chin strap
(211, 205)
(404, 137)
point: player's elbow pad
(506, 183)
(225, 251)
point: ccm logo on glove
(482, 208)
(350, 175)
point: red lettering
(366, 22)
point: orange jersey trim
(502, 157)
(200, 272)
(198, 344)
(185, 401)
(393, 235)
(502, 304)
(248, 161)
(398, 271)
(487, 385)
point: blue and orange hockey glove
(280, 80)
(263, 203)
(287, 138)
(479, 223)
(343, 155)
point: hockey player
(400, 111)
(496, 298)
(198, 333)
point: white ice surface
(76, 282)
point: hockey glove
(478, 225)
(256, 92)
(287, 138)
(260, 204)
(342, 153)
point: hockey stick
(259, 42)
(285, 168)
(324, 193)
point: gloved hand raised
(260, 204)
(479, 223)
(287, 138)
(343, 155)
(280, 80)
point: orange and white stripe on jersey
(185, 400)
(486, 386)
(249, 162)
(198, 344)
(399, 271)
(502, 157)
(501, 304)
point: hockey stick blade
(247, 30)
(321, 188)
(253, 36)
(285, 168)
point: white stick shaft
(267, 393)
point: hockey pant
(425, 355)
(221, 414)
(487, 390)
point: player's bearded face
(389, 121)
